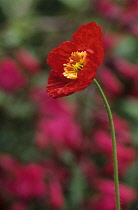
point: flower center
(76, 62)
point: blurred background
(56, 154)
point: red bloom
(74, 63)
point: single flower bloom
(74, 63)
(11, 76)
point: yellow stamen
(76, 62)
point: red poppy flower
(74, 63)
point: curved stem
(115, 162)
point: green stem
(115, 162)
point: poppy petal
(89, 36)
(60, 54)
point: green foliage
(128, 48)
(77, 4)
(77, 187)
(131, 175)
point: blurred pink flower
(129, 14)
(56, 198)
(129, 17)
(27, 61)
(110, 41)
(106, 198)
(134, 89)
(89, 169)
(104, 202)
(18, 206)
(8, 163)
(122, 127)
(49, 107)
(42, 141)
(55, 171)
(134, 30)
(28, 182)
(56, 126)
(102, 143)
(59, 132)
(126, 69)
(126, 155)
(127, 194)
(110, 82)
(108, 9)
(11, 77)
(123, 131)
(123, 15)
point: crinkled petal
(89, 37)
(57, 87)
(60, 54)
